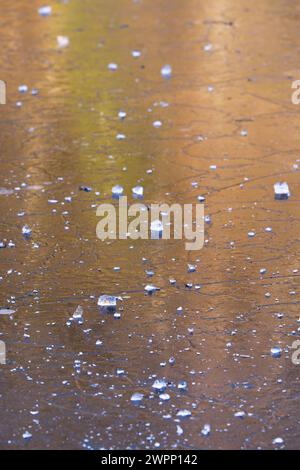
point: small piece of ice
(108, 301)
(164, 396)
(205, 431)
(149, 288)
(159, 385)
(122, 114)
(77, 315)
(23, 89)
(136, 397)
(157, 124)
(281, 191)
(117, 190)
(27, 435)
(166, 71)
(135, 54)
(45, 11)
(26, 230)
(6, 311)
(62, 41)
(191, 268)
(276, 351)
(183, 414)
(138, 191)
(112, 66)
(179, 430)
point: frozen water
(26, 230)
(207, 47)
(6, 311)
(117, 190)
(136, 54)
(27, 435)
(136, 397)
(159, 385)
(182, 385)
(23, 88)
(281, 191)
(45, 11)
(244, 132)
(77, 315)
(122, 114)
(191, 268)
(150, 288)
(205, 431)
(166, 71)
(278, 441)
(164, 396)
(183, 414)
(276, 351)
(112, 66)
(138, 191)
(108, 301)
(157, 124)
(240, 414)
(179, 430)
(62, 41)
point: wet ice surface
(207, 334)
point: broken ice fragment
(27, 435)
(157, 124)
(136, 54)
(277, 440)
(117, 190)
(136, 397)
(6, 311)
(77, 315)
(166, 71)
(281, 191)
(26, 231)
(207, 47)
(156, 229)
(108, 301)
(86, 189)
(276, 351)
(62, 41)
(149, 288)
(164, 396)
(205, 431)
(23, 88)
(183, 414)
(138, 191)
(182, 385)
(179, 430)
(244, 133)
(159, 385)
(122, 114)
(112, 66)
(191, 268)
(45, 11)
(240, 414)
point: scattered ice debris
(268, 229)
(117, 190)
(240, 414)
(23, 89)
(172, 281)
(2, 244)
(6, 192)
(137, 397)
(276, 351)
(251, 234)
(62, 41)
(278, 441)
(138, 191)
(86, 189)
(184, 414)
(281, 191)
(120, 136)
(149, 273)
(150, 288)
(164, 396)
(117, 315)
(122, 114)
(99, 342)
(172, 360)
(112, 66)
(189, 285)
(213, 167)
(6, 311)
(262, 271)
(19, 104)
(244, 133)
(78, 314)
(45, 11)
(159, 385)
(179, 309)
(179, 430)
(26, 231)
(34, 92)
(27, 435)
(135, 54)
(156, 228)
(205, 431)
(210, 88)
(182, 385)
(166, 71)
(108, 301)
(157, 124)
(201, 198)
(191, 268)
(207, 47)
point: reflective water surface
(228, 125)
